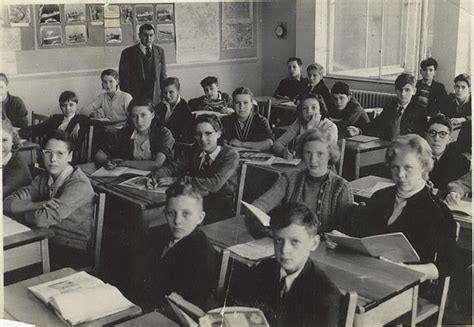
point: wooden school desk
(28, 152)
(364, 154)
(282, 115)
(359, 186)
(129, 216)
(386, 291)
(23, 246)
(22, 306)
(152, 319)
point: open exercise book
(393, 246)
(190, 315)
(139, 183)
(463, 207)
(80, 298)
(119, 171)
(261, 158)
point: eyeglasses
(59, 154)
(433, 133)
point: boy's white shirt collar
(7, 158)
(213, 155)
(55, 185)
(143, 48)
(290, 279)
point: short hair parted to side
(463, 78)
(210, 119)
(59, 135)
(294, 213)
(341, 88)
(183, 189)
(322, 105)
(320, 135)
(110, 72)
(141, 102)
(4, 77)
(146, 27)
(442, 120)
(8, 128)
(404, 79)
(298, 61)
(209, 80)
(429, 62)
(67, 96)
(171, 81)
(317, 67)
(415, 144)
(242, 90)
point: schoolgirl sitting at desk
(143, 144)
(212, 168)
(246, 128)
(328, 195)
(311, 113)
(409, 207)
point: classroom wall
(40, 92)
(277, 51)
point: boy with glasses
(449, 164)
(60, 198)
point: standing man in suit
(142, 67)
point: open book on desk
(139, 183)
(463, 208)
(393, 246)
(119, 171)
(255, 250)
(191, 315)
(258, 213)
(80, 298)
(261, 158)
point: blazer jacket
(313, 299)
(132, 75)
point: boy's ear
(202, 216)
(316, 241)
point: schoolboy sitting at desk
(449, 164)
(290, 87)
(458, 106)
(13, 107)
(311, 113)
(143, 144)
(246, 128)
(112, 104)
(61, 198)
(352, 118)
(430, 94)
(290, 289)
(459, 188)
(316, 84)
(213, 99)
(212, 168)
(404, 117)
(73, 124)
(174, 112)
(183, 259)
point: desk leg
(45, 256)
(356, 165)
(414, 306)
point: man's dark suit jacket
(437, 98)
(414, 120)
(313, 300)
(132, 76)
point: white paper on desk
(258, 213)
(12, 227)
(11, 323)
(368, 192)
(118, 171)
(255, 250)
(288, 104)
(89, 304)
(463, 207)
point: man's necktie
(283, 289)
(399, 111)
(148, 52)
(206, 164)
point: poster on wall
(164, 13)
(49, 14)
(144, 13)
(164, 33)
(237, 12)
(75, 13)
(19, 15)
(237, 36)
(126, 14)
(51, 36)
(111, 11)
(76, 34)
(96, 14)
(113, 36)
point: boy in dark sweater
(430, 94)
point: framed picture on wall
(144, 13)
(164, 33)
(75, 13)
(51, 36)
(113, 35)
(164, 13)
(126, 14)
(49, 14)
(237, 12)
(76, 34)
(19, 15)
(96, 13)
